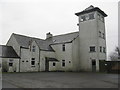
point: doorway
(93, 65)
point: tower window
(91, 16)
(103, 36)
(99, 33)
(99, 16)
(63, 47)
(63, 63)
(100, 48)
(33, 48)
(53, 63)
(92, 48)
(83, 18)
(104, 49)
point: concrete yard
(59, 80)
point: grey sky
(37, 17)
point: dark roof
(7, 52)
(91, 9)
(24, 41)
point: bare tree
(115, 56)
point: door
(46, 65)
(93, 65)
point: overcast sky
(35, 18)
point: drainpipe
(20, 58)
(39, 62)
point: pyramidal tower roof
(91, 8)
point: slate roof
(7, 52)
(51, 59)
(45, 44)
(90, 9)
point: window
(92, 49)
(63, 47)
(33, 58)
(99, 33)
(83, 18)
(10, 63)
(104, 49)
(63, 63)
(102, 19)
(103, 36)
(69, 61)
(33, 48)
(53, 63)
(99, 16)
(93, 62)
(100, 48)
(91, 16)
(33, 62)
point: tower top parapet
(91, 8)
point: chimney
(48, 35)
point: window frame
(91, 16)
(63, 47)
(92, 49)
(54, 64)
(100, 48)
(63, 63)
(33, 48)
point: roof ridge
(66, 34)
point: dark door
(46, 65)
(93, 65)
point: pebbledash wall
(83, 49)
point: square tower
(92, 38)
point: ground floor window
(63, 63)
(54, 63)
(10, 64)
(33, 62)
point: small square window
(91, 16)
(92, 49)
(10, 64)
(83, 18)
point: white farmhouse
(76, 51)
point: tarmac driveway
(59, 80)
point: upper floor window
(33, 48)
(83, 18)
(103, 36)
(99, 16)
(91, 16)
(99, 33)
(102, 18)
(104, 49)
(63, 47)
(100, 48)
(92, 48)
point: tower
(92, 38)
